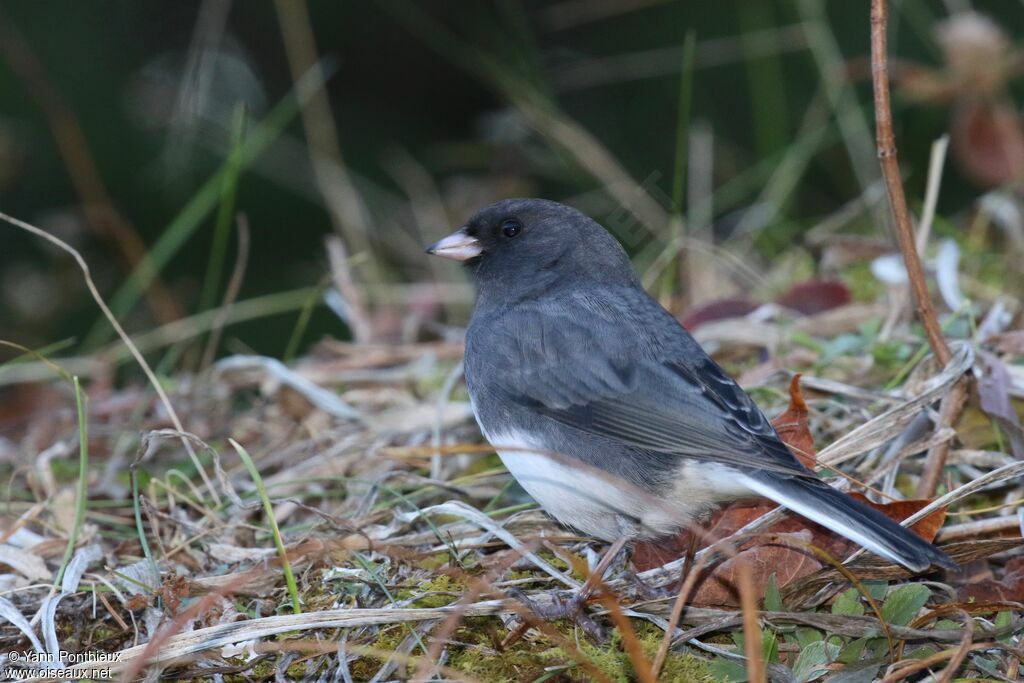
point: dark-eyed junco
(605, 409)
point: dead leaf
(173, 590)
(723, 309)
(1008, 588)
(899, 510)
(786, 562)
(994, 398)
(26, 563)
(815, 296)
(137, 602)
(792, 426)
(988, 142)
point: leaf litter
(383, 553)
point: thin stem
(886, 145)
(81, 499)
(268, 509)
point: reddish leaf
(1009, 588)
(787, 562)
(792, 426)
(722, 309)
(723, 522)
(650, 554)
(173, 590)
(899, 510)
(137, 602)
(988, 142)
(815, 296)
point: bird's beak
(460, 246)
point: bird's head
(526, 243)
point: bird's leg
(691, 550)
(595, 577)
(573, 607)
(697, 536)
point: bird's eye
(510, 227)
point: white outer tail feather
(822, 517)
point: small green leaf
(1002, 620)
(848, 604)
(863, 673)
(813, 661)
(879, 647)
(987, 665)
(904, 603)
(770, 646)
(730, 670)
(852, 651)
(806, 636)
(772, 598)
(876, 589)
(737, 638)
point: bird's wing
(629, 372)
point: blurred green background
(115, 115)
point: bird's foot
(573, 609)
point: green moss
(299, 671)
(529, 659)
(388, 640)
(434, 562)
(318, 595)
(438, 591)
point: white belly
(599, 504)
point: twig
(694, 573)
(886, 145)
(952, 404)
(751, 625)
(935, 462)
(931, 196)
(982, 528)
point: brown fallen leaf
(1008, 588)
(723, 309)
(815, 295)
(786, 562)
(174, 589)
(987, 140)
(793, 427)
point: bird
(605, 409)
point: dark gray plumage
(601, 404)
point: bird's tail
(834, 510)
